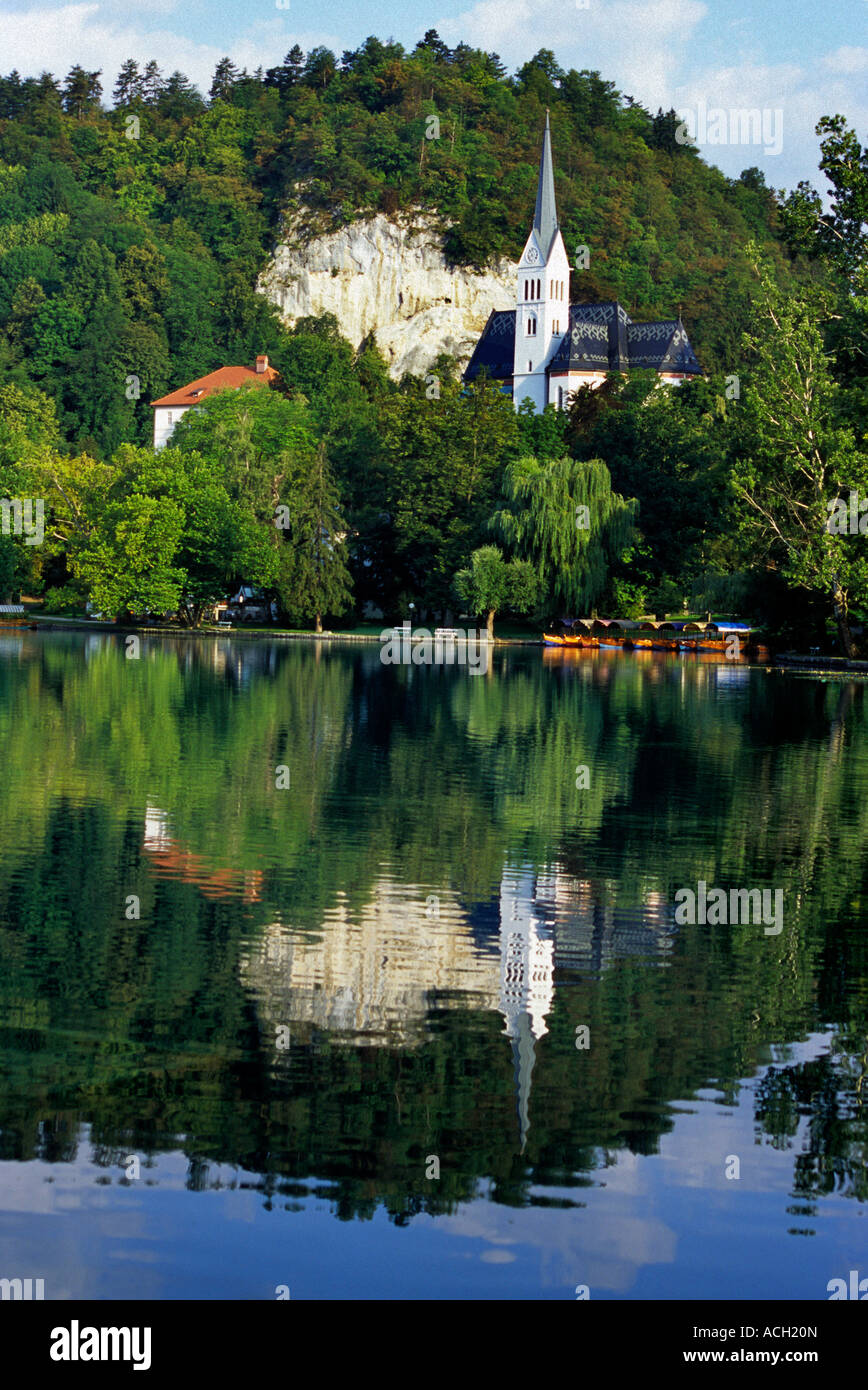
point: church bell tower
(542, 299)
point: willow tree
(563, 517)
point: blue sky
(795, 57)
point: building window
(530, 327)
(168, 417)
(560, 398)
(530, 366)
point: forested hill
(131, 237)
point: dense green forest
(131, 239)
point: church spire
(545, 221)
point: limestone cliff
(378, 276)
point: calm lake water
(288, 1006)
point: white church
(547, 347)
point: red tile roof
(224, 379)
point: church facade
(546, 347)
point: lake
(322, 978)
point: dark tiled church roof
(663, 345)
(601, 338)
(495, 350)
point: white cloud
(802, 97)
(639, 44)
(654, 52)
(847, 59)
(101, 37)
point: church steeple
(545, 221)
(542, 294)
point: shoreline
(783, 662)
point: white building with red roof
(169, 409)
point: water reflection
(394, 958)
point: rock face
(377, 276)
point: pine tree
(289, 73)
(225, 78)
(128, 87)
(315, 578)
(152, 82)
(81, 91)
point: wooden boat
(655, 643)
(552, 639)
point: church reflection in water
(378, 975)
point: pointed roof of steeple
(545, 219)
